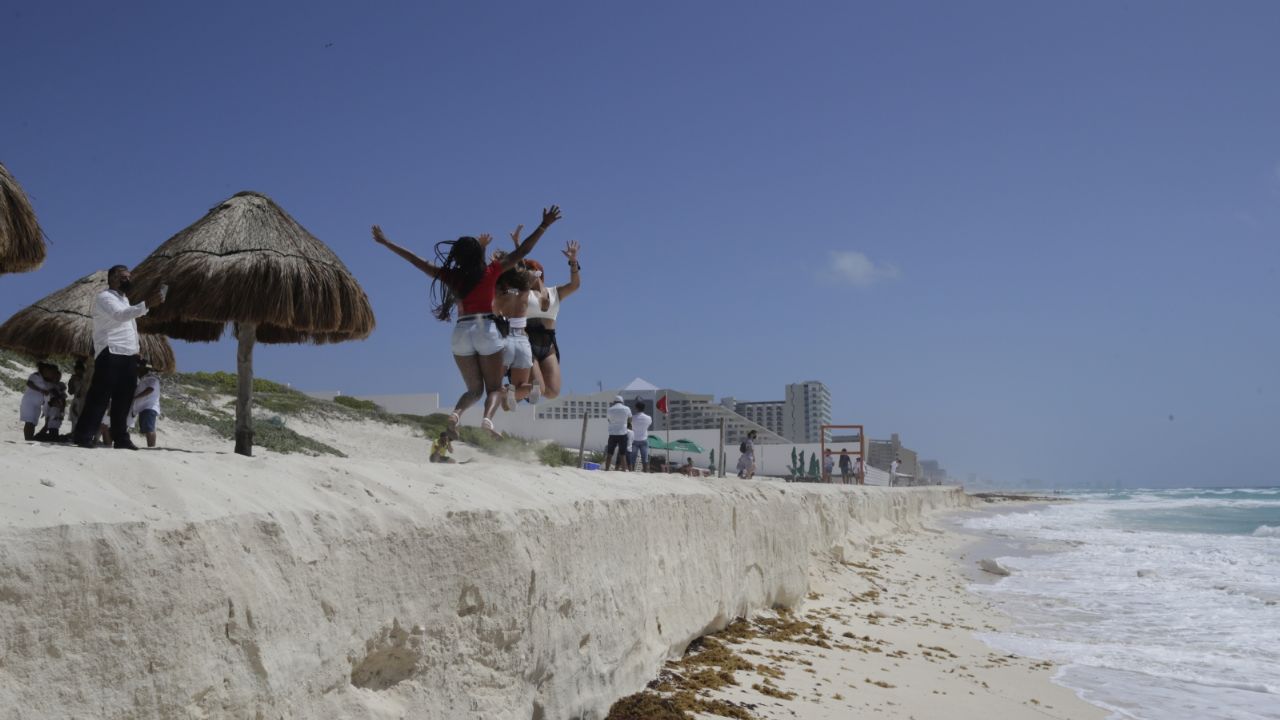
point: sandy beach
(376, 585)
(890, 632)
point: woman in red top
(460, 276)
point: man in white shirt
(115, 367)
(893, 471)
(640, 424)
(618, 415)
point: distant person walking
(828, 465)
(747, 460)
(640, 424)
(146, 402)
(618, 414)
(461, 276)
(846, 467)
(115, 365)
(860, 471)
(893, 471)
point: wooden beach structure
(249, 264)
(22, 246)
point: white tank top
(535, 305)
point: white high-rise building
(805, 410)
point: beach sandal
(454, 419)
(487, 424)
(535, 394)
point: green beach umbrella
(684, 445)
(655, 443)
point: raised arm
(549, 216)
(414, 260)
(116, 308)
(571, 251)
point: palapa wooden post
(246, 334)
(582, 444)
(720, 470)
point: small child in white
(37, 391)
(55, 408)
(146, 403)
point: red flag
(662, 403)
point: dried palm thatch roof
(62, 325)
(21, 239)
(248, 261)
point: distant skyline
(1037, 240)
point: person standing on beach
(544, 309)
(461, 276)
(76, 389)
(893, 471)
(146, 402)
(747, 460)
(828, 465)
(618, 415)
(846, 467)
(640, 424)
(625, 463)
(115, 367)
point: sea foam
(1159, 604)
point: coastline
(894, 632)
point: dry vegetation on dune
(208, 400)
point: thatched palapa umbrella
(249, 263)
(62, 324)
(21, 239)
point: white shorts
(476, 336)
(31, 406)
(518, 354)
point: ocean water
(1158, 604)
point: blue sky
(1021, 234)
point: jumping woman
(461, 276)
(511, 304)
(544, 307)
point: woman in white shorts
(460, 276)
(511, 304)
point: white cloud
(856, 269)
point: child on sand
(55, 408)
(76, 390)
(39, 385)
(441, 447)
(146, 402)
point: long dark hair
(461, 265)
